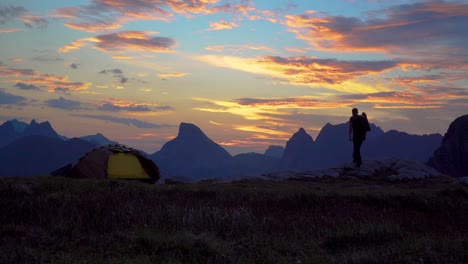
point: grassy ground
(57, 220)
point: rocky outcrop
(299, 152)
(452, 156)
(390, 169)
(40, 129)
(191, 154)
(98, 140)
(274, 152)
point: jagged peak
(189, 129)
(301, 134)
(301, 131)
(33, 122)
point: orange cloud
(53, 82)
(115, 105)
(172, 75)
(57, 83)
(238, 48)
(306, 71)
(222, 25)
(93, 27)
(105, 14)
(432, 27)
(9, 72)
(10, 30)
(124, 41)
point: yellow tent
(116, 162)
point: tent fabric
(92, 164)
(125, 165)
(116, 162)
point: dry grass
(56, 220)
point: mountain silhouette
(39, 155)
(190, 154)
(299, 152)
(98, 140)
(274, 151)
(36, 149)
(40, 129)
(8, 133)
(14, 129)
(396, 144)
(451, 157)
(247, 164)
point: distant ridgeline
(35, 149)
(193, 156)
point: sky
(249, 73)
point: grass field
(58, 220)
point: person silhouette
(358, 127)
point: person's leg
(357, 152)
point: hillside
(322, 220)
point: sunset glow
(249, 73)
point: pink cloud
(124, 41)
(222, 24)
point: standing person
(358, 127)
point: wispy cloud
(304, 70)
(11, 99)
(239, 48)
(172, 75)
(56, 83)
(222, 24)
(6, 71)
(32, 77)
(117, 73)
(35, 22)
(117, 105)
(127, 121)
(124, 41)
(103, 15)
(428, 29)
(24, 86)
(62, 103)
(10, 13)
(10, 30)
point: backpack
(366, 122)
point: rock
(452, 156)
(464, 181)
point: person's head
(355, 111)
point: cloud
(10, 30)
(9, 13)
(118, 73)
(9, 72)
(24, 86)
(124, 41)
(57, 83)
(103, 15)
(429, 29)
(11, 99)
(304, 70)
(172, 75)
(116, 105)
(63, 103)
(35, 22)
(116, 108)
(127, 121)
(239, 48)
(114, 71)
(223, 24)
